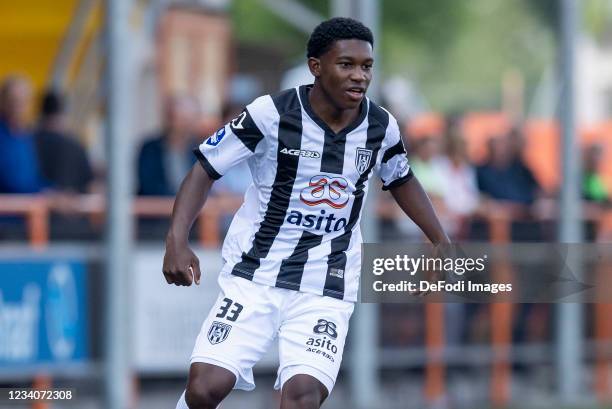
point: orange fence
(36, 209)
(499, 223)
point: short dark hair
(52, 103)
(338, 28)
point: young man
(292, 254)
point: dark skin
(342, 76)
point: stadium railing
(37, 209)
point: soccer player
(292, 253)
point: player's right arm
(231, 144)
(181, 265)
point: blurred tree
(456, 51)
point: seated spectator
(19, 167)
(593, 186)
(167, 156)
(63, 161)
(460, 193)
(505, 176)
(424, 164)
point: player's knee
(304, 392)
(207, 386)
(202, 396)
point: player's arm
(413, 200)
(181, 265)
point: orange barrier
(499, 220)
(36, 209)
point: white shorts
(247, 317)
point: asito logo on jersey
(218, 332)
(327, 190)
(216, 138)
(362, 159)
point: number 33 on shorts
(225, 308)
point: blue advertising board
(43, 313)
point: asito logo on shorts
(326, 327)
(218, 332)
(326, 189)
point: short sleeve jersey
(299, 225)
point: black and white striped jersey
(298, 227)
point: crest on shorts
(218, 332)
(362, 159)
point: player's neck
(322, 105)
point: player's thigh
(238, 330)
(311, 338)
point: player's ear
(314, 64)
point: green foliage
(456, 51)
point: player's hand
(181, 265)
(432, 276)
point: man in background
(19, 168)
(167, 157)
(63, 161)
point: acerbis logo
(301, 152)
(326, 327)
(326, 189)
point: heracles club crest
(218, 332)
(362, 159)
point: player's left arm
(398, 178)
(413, 200)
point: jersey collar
(363, 112)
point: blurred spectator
(460, 192)
(505, 176)
(167, 156)
(593, 186)
(19, 167)
(63, 161)
(424, 163)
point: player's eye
(367, 67)
(346, 64)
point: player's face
(345, 72)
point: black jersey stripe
(246, 130)
(292, 268)
(332, 160)
(378, 120)
(289, 137)
(396, 149)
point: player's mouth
(356, 93)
